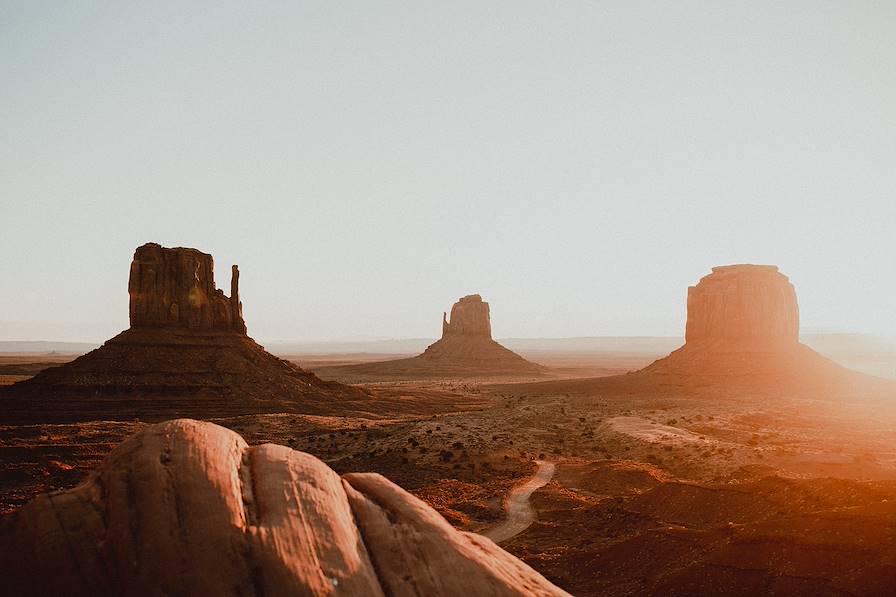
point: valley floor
(652, 493)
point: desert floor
(651, 494)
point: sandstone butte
(467, 341)
(466, 349)
(743, 306)
(741, 338)
(743, 329)
(188, 508)
(186, 353)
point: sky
(578, 164)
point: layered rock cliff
(188, 508)
(743, 304)
(469, 317)
(176, 288)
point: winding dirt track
(520, 513)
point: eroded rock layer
(743, 304)
(176, 288)
(188, 508)
(469, 317)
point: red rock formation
(188, 508)
(176, 288)
(186, 353)
(469, 317)
(743, 304)
(742, 341)
(466, 349)
(743, 328)
(467, 341)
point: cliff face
(743, 332)
(743, 304)
(175, 288)
(188, 508)
(469, 317)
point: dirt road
(519, 511)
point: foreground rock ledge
(188, 508)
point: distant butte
(743, 305)
(186, 353)
(467, 341)
(743, 321)
(466, 349)
(741, 338)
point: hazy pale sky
(579, 164)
